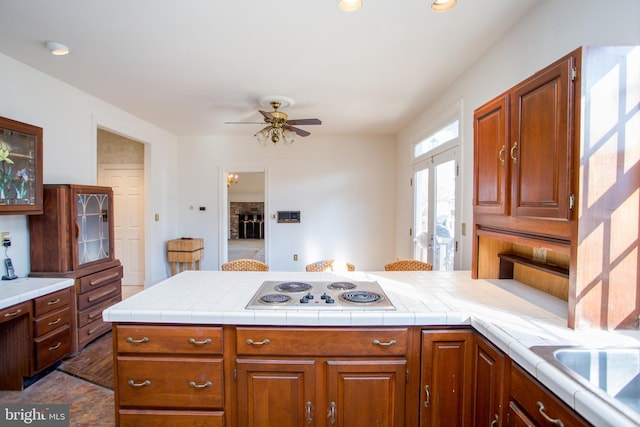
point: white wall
(342, 185)
(550, 30)
(69, 118)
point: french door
(435, 189)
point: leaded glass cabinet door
(93, 210)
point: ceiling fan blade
(298, 131)
(244, 123)
(266, 114)
(304, 122)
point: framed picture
(20, 168)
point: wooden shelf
(508, 260)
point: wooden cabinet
(563, 177)
(321, 376)
(489, 365)
(52, 328)
(74, 238)
(445, 378)
(20, 168)
(15, 345)
(530, 404)
(169, 375)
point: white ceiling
(189, 66)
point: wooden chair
(328, 265)
(245, 265)
(408, 265)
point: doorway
(435, 189)
(246, 221)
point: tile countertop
(513, 316)
(25, 288)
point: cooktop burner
(340, 295)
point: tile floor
(90, 405)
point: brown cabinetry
(169, 373)
(321, 376)
(445, 378)
(489, 365)
(15, 345)
(52, 328)
(74, 238)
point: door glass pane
(445, 211)
(93, 223)
(421, 241)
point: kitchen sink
(612, 372)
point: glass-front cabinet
(92, 220)
(20, 168)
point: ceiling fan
(278, 124)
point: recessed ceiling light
(350, 5)
(57, 48)
(443, 5)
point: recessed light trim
(57, 48)
(350, 5)
(443, 5)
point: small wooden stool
(185, 252)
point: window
(444, 135)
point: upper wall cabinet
(20, 168)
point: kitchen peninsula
(194, 329)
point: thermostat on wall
(289, 216)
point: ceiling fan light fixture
(56, 48)
(288, 137)
(350, 5)
(443, 5)
(262, 136)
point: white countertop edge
(23, 289)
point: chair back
(245, 265)
(408, 265)
(328, 265)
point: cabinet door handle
(54, 302)
(55, 322)
(307, 411)
(554, 421)
(55, 347)
(501, 155)
(513, 149)
(495, 421)
(203, 342)
(263, 342)
(193, 384)
(384, 344)
(331, 414)
(13, 313)
(134, 341)
(427, 397)
(145, 383)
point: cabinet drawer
(170, 382)
(99, 279)
(52, 321)
(156, 418)
(323, 341)
(91, 331)
(169, 339)
(51, 302)
(53, 347)
(96, 296)
(529, 394)
(94, 313)
(15, 311)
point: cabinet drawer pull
(13, 313)
(501, 155)
(55, 347)
(307, 411)
(144, 383)
(203, 342)
(331, 414)
(104, 279)
(54, 302)
(134, 341)
(554, 421)
(263, 342)
(495, 421)
(384, 344)
(427, 398)
(102, 294)
(55, 322)
(513, 149)
(193, 384)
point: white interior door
(127, 182)
(435, 187)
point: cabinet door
(446, 378)
(541, 140)
(517, 418)
(364, 393)
(488, 379)
(93, 225)
(491, 157)
(277, 393)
